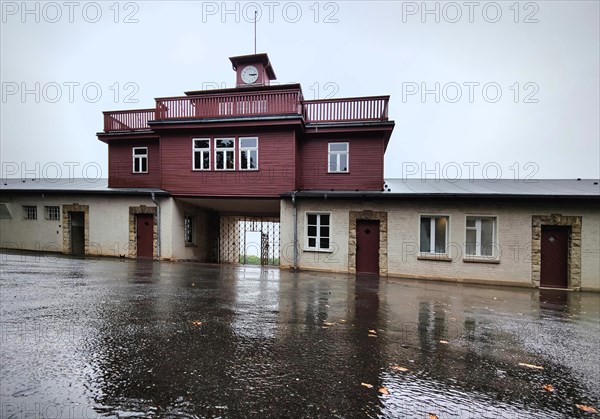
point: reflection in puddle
(165, 340)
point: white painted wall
(514, 239)
(108, 223)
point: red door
(144, 235)
(367, 246)
(555, 256)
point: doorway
(145, 235)
(555, 256)
(77, 222)
(367, 246)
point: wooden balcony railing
(373, 108)
(277, 102)
(133, 120)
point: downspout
(295, 218)
(157, 224)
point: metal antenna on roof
(255, 13)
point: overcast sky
(511, 89)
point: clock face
(249, 74)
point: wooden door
(145, 235)
(367, 246)
(77, 219)
(555, 257)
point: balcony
(249, 104)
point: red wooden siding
(276, 162)
(120, 166)
(366, 164)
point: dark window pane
(206, 160)
(244, 160)
(425, 235)
(144, 165)
(312, 219)
(136, 164)
(201, 143)
(324, 219)
(224, 143)
(312, 231)
(219, 161)
(197, 160)
(229, 159)
(312, 242)
(324, 244)
(324, 231)
(253, 159)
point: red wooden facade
(293, 136)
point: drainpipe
(295, 218)
(157, 224)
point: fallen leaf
(453, 319)
(548, 387)
(328, 324)
(342, 320)
(444, 342)
(373, 331)
(399, 368)
(585, 408)
(433, 416)
(383, 390)
(196, 322)
(536, 367)
(371, 335)
(367, 385)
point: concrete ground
(86, 338)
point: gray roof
(501, 187)
(71, 186)
(471, 188)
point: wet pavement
(86, 338)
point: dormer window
(338, 157)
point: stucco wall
(108, 223)
(514, 235)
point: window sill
(318, 250)
(435, 257)
(139, 173)
(481, 259)
(338, 173)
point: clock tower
(252, 70)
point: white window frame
(318, 247)
(432, 234)
(27, 215)
(192, 228)
(338, 153)
(200, 150)
(49, 212)
(477, 229)
(224, 151)
(140, 157)
(247, 149)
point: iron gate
(249, 240)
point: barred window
(188, 229)
(52, 212)
(30, 212)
